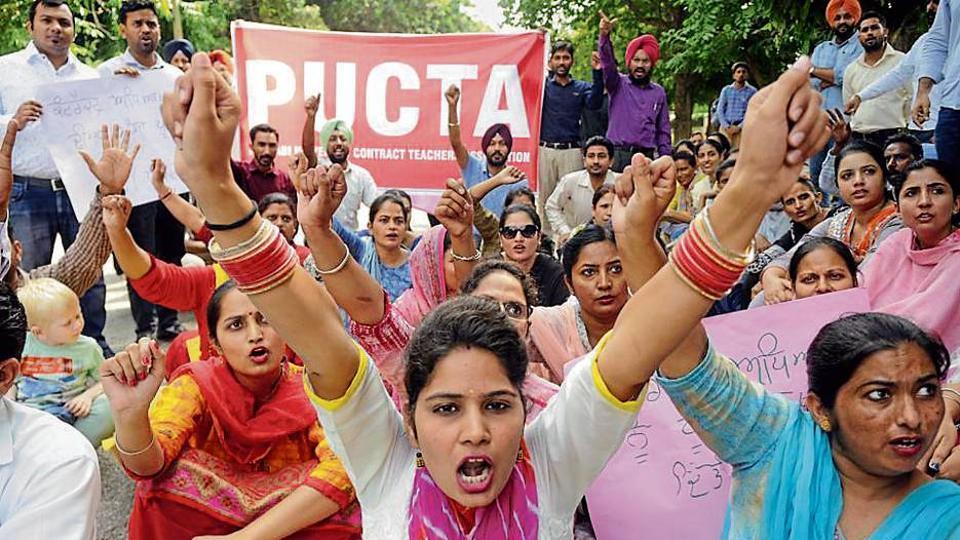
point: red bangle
(701, 267)
(264, 267)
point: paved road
(117, 496)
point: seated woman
(460, 462)
(594, 272)
(439, 264)
(602, 206)
(871, 218)
(822, 266)
(382, 255)
(710, 154)
(520, 234)
(916, 272)
(231, 444)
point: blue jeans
(948, 136)
(37, 216)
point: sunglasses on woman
(510, 232)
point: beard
(931, 15)
(643, 81)
(497, 159)
(843, 31)
(876, 46)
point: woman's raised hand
(643, 193)
(319, 194)
(132, 377)
(202, 114)
(455, 209)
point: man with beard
(940, 65)
(151, 225)
(571, 204)
(906, 72)
(732, 105)
(496, 144)
(260, 177)
(639, 113)
(886, 116)
(831, 58)
(40, 208)
(337, 138)
(564, 100)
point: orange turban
(649, 45)
(852, 6)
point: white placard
(73, 113)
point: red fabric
(177, 353)
(183, 289)
(302, 253)
(649, 44)
(246, 431)
(853, 6)
(204, 235)
(257, 184)
(156, 517)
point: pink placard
(664, 483)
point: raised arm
(308, 140)
(453, 123)
(783, 127)
(595, 99)
(202, 114)
(608, 62)
(187, 214)
(455, 212)
(509, 175)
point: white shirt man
(571, 203)
(111, 66)
(23, 72)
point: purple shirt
(257, 184)
(639, 115)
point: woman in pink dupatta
(383, 328)
(915, 272)
(594, 273)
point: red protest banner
(389, 88)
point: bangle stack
(261, 263)
(704, 264)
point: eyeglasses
(510, 232)
(801, 198)
(515, 310)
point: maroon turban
(649, 44)
(852, 6)
(493, 131)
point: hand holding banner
(73, 113)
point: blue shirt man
(940, 65)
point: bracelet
(475, 257)
(123, 452)
(737, 258)
(452, 124)
(243, 248)
(340, 266)
(167, 194)
(236, 224)
(266, 261)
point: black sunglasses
(510, 232)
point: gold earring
(825, 425)
(520, 455)
(420, 463)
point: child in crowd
(60, 370)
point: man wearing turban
(178, 53)
(497, 142)
(831, 58)
(336, 137)
(639, 112)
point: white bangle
(475, 257)
(153, 440)
(340, 266)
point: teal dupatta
(804, 499)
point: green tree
(409, 17)
(700, 39)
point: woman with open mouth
(231, 445)
(916, 272)
(461, 463)
(382, 254)
(870, 219)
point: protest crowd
(473, 379)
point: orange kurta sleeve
(329, 477)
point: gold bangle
(122, 452)
(740, 259)
(243, 248)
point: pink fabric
(429, 288)
(649, 44)
(920, 285)
(554, 338)
(513, 516)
